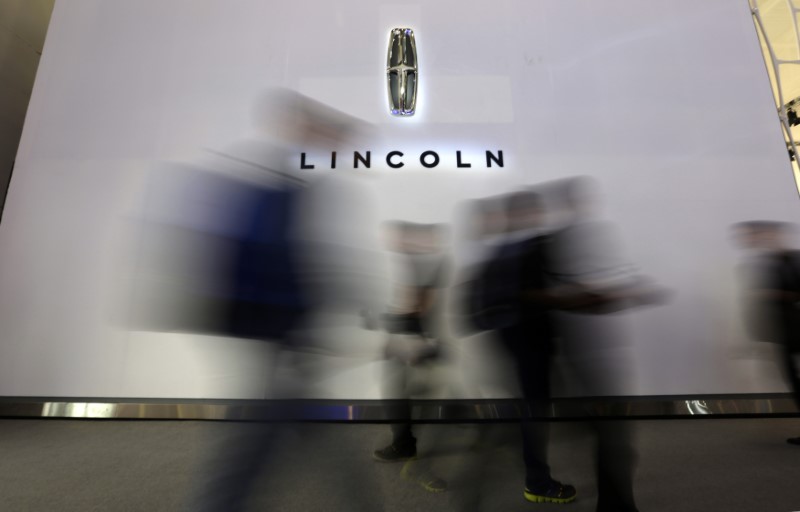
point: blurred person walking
(510, 296)
(281, 270)
(771, 279)
(592, 280)
(414, 339)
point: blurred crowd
(251, 248)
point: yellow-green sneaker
(551, 492)
(425, 478)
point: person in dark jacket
(773, 293)
(517, 305)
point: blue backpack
(267, 298)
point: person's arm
(564, 297)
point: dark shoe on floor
(794, 440)
(395, 453)
(552, 492)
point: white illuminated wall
(666, 104)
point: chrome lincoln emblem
(402, 72)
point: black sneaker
(552, 492)
(395, 453)
(793, 440)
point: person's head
(524, 210)
(576, 197)
(295, 119)
(486, 217)
(410, 237)
(762, 235)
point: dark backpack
(267, 298)
(491, 296)
(221, 261)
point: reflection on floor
(727, 465)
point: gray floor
(726, 465)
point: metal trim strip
(423, 411)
